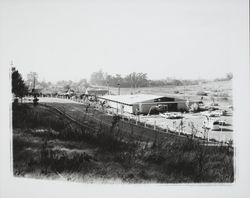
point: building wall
(112, 104)
(121, 107)
(182, 104)
(144, 108)
(135, 108)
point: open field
(48, 145)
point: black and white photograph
(125, 93)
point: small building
(96, 92)
(144, 103)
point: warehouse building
(144, 103)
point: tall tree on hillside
(19, 89)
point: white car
(213, 125)
(171, 115)
(212, 113)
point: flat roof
(130, 99)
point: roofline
(115, 101)
(131, 104)
(173, 96)
(172, 102)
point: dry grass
(46, 145)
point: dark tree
(19, 89)
(229, 76)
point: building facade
(145, 103)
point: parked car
(212, 113)
(212, 125)
(171, 115)
(216, 125)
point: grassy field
(49, 146)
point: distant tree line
(229, 76)
(135, 80)
(32, 82)
(21, 87)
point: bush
(194, 107)
(175, 160)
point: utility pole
(184, 91)
(118, 88)
(108, 86)
(34, 83)
(131, 91)
(11, 67)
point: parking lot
(193, 122)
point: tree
(66, 87)
(137, 79)
(97, 78)
(32, 79)
(19, 89)
(229, 76)
(194, 107)
(80, 86)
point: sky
(70, 39)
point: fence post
(157, 139)
(145, 124)
(154, 124)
